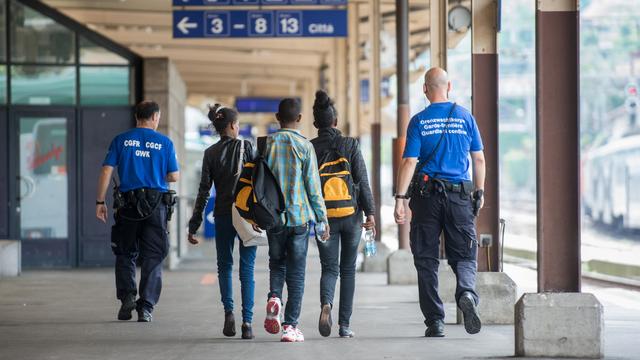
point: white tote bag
(244, 229)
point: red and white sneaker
(299, 335)
(289, 334)
(272, 323)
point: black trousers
(452, 213)
(148, 240)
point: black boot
(128, 305)
(229, 328)
(247, 331)
(470, 315)
(435, 329)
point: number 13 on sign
(289, 23)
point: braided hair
(325, 114)
(221, 117)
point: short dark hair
(324, 111)
(289, 110)
(145, 110)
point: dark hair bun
(322, 100)
(221, 117)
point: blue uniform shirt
(451, 160)
(144, 157)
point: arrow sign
(184, 25)
(188, 24)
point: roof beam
(256, 57)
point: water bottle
(369, 243)
(320, 229)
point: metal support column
(402, 71)
(558, 146)
(485, 108)
(438, 35)
(375, 101)
(354, 71)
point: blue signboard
(256, 2)
(271, 23)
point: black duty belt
(465, 187)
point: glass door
(41, 155)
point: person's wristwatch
(401, 196)
(99, 202)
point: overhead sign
(259, 23)
(256, 2)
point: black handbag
(414, 185)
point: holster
(170, 198)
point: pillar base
(10, 258)
(378, 262)
(497, 294)
(559, 325)
(401, 270)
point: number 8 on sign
(260, 23)
(289, 23)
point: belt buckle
(455, 187)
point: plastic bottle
(370, 248)
(320, 230)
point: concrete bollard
(401, 270)
(377, 263)
(567, 325)
(10, 258)
(497, 294)
(446, 282)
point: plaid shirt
(292, 160)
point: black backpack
(338, 189)
(258, 196)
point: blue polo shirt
(144, 157)
(451, 161)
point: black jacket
(350, 148)
(220, 166)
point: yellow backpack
(338, 188)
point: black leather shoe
(128, 305)
(435, 329)
(229, 328)
(325, 323)
(470, 315)
(144, 315)
(247, 331)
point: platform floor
(71, 315)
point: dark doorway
(97, 128)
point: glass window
(90, 53)
(104, 85)
(43, 85)
(36, 38)
(3, 27)
(43, 177)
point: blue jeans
(288, 262)
(225, 241)
(338, 257)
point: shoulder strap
(424, 162)
(240, 158)
(262, 145)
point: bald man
(442, 141)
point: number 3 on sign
(217, 23)
(217, 26)
(289, 23)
